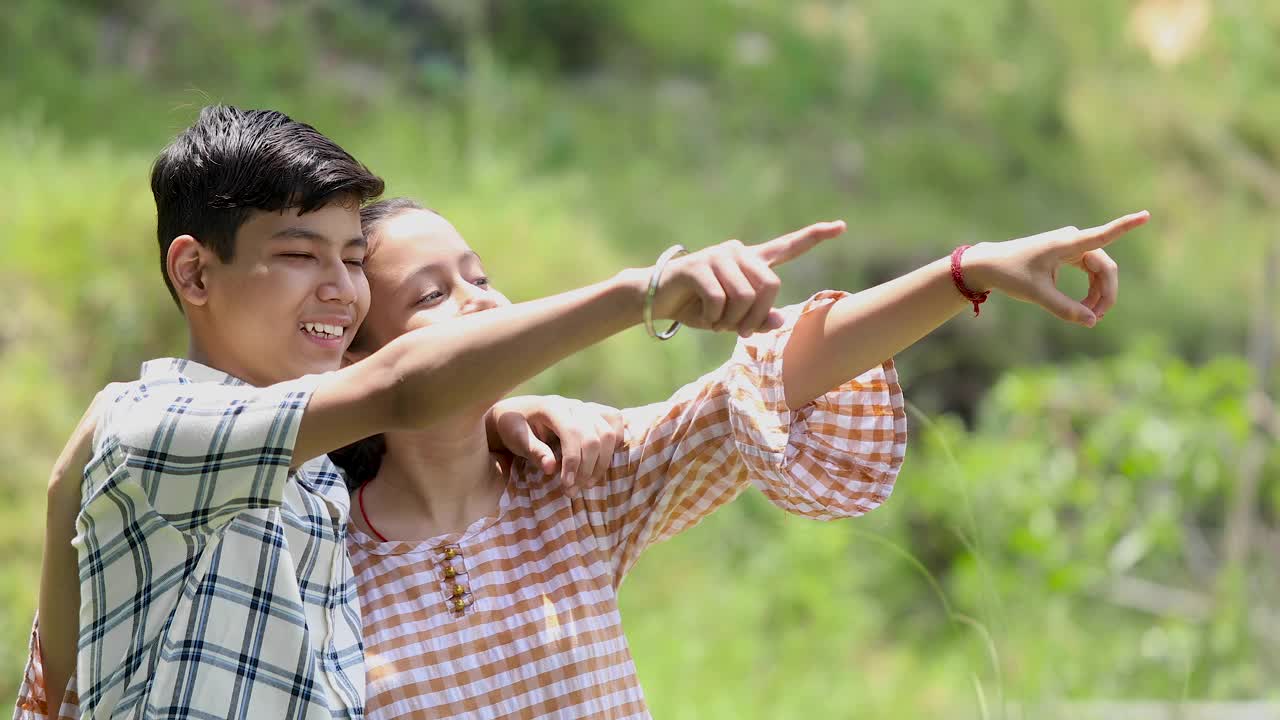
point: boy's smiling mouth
(325, 334)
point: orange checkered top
(517, 616)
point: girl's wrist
(978, 263)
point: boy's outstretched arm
(429, 374)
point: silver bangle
(654, 278)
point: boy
(210, 535)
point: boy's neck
(196, 352)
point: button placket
(453, 571)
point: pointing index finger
(792, 245)
(1102, 235)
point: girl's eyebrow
(423, 270)
(429, 268)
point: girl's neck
(433, 482)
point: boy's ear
(187, 265)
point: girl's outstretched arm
(861, 331)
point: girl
(491, 594)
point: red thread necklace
(365, 515)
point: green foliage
(993, 562)
(568, 139)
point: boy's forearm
(858, 332)
(59, 604)
(430, 374)
(446, 368)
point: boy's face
(292, 298)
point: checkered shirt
(214, 582)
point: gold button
(450, 572)
(458, 590)
(450, 553)
(459, 604)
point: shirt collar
(182, 368)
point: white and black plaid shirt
(214, 583)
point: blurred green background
(1082, 515)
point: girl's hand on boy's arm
(1027, 268)
(585, 434)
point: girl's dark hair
(232, 161)
(376, 212)
(361, 460)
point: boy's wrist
(632, 284)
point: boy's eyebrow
(307, 234)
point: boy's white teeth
(323, 329)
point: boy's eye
(355, 262)
(306, 256)
(484, 281)
(430, 297)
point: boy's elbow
(63, 498)
(65, 478)
(64, 487)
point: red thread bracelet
(957, 275)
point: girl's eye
(430, 297)
(355, 263)
(297, 255)
(483, 282)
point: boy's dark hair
(231, 161)
(361, 460)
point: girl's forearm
(858, 332)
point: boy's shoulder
(167, 377)
(105, 411)
(182, 396)
(122, 404)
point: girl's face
(421, 272)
